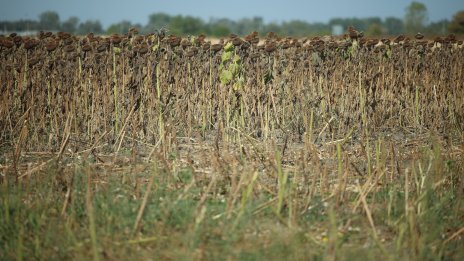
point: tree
(19, 26)
(457, 24)
(295, 28)
(90, 27)
(374, 29)
(221, 24)
(393, 25)
(272, 27)
(70, 25)
(219, 30)
(157, 21)
(49, 20)
(415, 18)
(186, 25)
(369, 21)
(440, 27)
(246, 25)
(119, 28)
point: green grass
(236, 215)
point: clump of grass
(415, 216)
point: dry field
(156, 146)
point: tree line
(50, 21)
(415, 20)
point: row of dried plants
(154, 88)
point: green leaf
(234, 68)
(388, 53)
(226, 56)
(237, 59)
(225, 77)
(238, 85)
(229, 47)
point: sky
(137, 11)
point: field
(164, 148)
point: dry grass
(125, 146)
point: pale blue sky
(137, 11)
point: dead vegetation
(317, 138)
